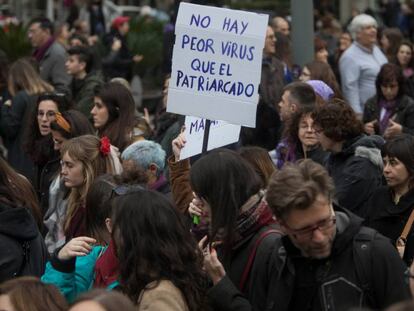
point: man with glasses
(327, 260)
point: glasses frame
(307, 233)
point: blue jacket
(75, 279)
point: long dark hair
(16, 189)
(152, 244)
(98, 200)
(401, 147)
(38, 147)
(225, 181)
(121, 110)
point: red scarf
(106, 268)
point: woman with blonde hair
(83, 159)
(24, 85)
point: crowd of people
(311, 210)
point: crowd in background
(313, 209)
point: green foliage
(280, 6)
(146, 38)
(14, 41)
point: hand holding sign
(217, 61)
(177, 144)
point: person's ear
(83, 65)
(153, 168)
(281, 224)
(108, 224)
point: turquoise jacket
(72, 284)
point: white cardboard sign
(217, 61)
(221, 134)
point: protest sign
(217, 61)
(221, 134)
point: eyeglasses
(48, 114)
(408, 275)
(307, 233)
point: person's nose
(386, 168)
(318, 236)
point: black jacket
(403, 114)
(336, 275)
(17, 227)
(13, 122)
(335, 281)
(117, 63)
(225, 294)
(45, 175)
(357, 172)
(390, 218)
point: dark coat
(17, 226)
(13, 121)
(385, 279)
(83, 92)
(288, 269)
(357, 172)
(117, 63)
(272, 81)
(390, 218)
(45, 176)
(403, 114)
(266, 134)
(257, 285)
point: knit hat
(322, 89)
(117, 22)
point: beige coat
(164, 297)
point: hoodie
(357, 172)
(19, 235)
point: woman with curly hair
(300, 141)
(160, 265)
(39, 143)
(355, 162)
(390, 112)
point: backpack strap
(362, 252)
(252, 255)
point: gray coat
(52, 68)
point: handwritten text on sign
(217, 63)
(221, 134)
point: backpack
(362, 260)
